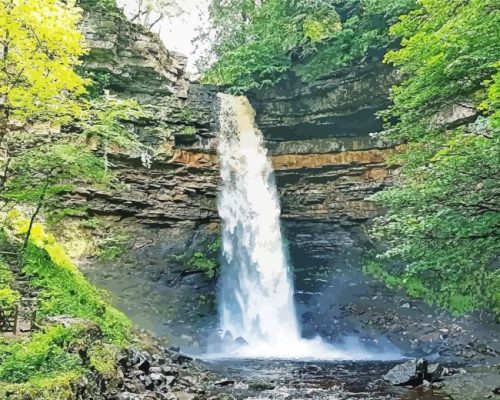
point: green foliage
(47, 364)
(366, 27)
(99, 82)
(40, 175)
(449, 55)
(189, 130)
(443, 219)
(41, 45)
(207, 260)
(60, 386)
(256, 45)
(8, 296)
(106, 123)
(112, 246)
(102, 359)
(98, 5)
(55, 216)
(6, 276)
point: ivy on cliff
(443, 222)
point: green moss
(108, 240)
(112, 247)
(102, 359)
(57, 215)
(58, 387)
(189, 130)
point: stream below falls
(253, 379)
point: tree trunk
(35, 214)
(106, 162)
(3, 179)
(4, 121)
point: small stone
(157, 378)
(225, 382)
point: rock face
(137, 63)
(339, 106)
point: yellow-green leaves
(39, 47)
(320, 29)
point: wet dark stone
(225, 382)
(411, 373)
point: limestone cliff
(326, 163)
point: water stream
(256, 305)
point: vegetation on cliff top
(256, 44)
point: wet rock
(225, 382)
(476, 383)
(144, 365)
(181, 358)
(128, 396)
(261, 386)
(409, 373)
(434, 372)
(183, 396)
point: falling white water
(256, 291)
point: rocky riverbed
(152, 371)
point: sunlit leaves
(39, 47)
(449, 50)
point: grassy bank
(78, 333)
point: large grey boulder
(412, 372)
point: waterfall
(256, 292)
(256, 305)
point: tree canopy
(40, 46)
(443, 220)
(40, 51)
(255, 44)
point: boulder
(412, 372)
(434, 372)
